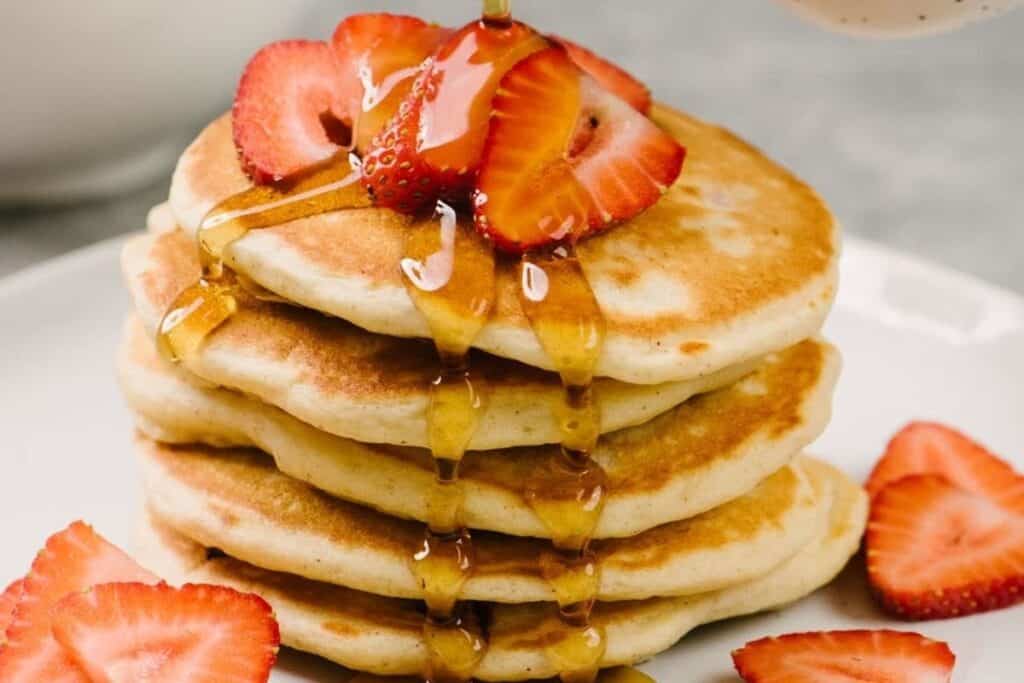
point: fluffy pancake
(237, 501)
(366, 386)
(738, 259)
(382, 635)
(711, 449)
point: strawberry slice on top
(565, 158)
(291, 110)
(610, 76)
(301, 102)
(935, 551)
(431, 149)
(931, 448)
(379, 56)
(845, 657)
(71, 561)
(159, 634)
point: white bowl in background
(897, 18)
(99, 95)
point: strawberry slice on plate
(159, 634)
(379, 55)
(292, 110)
(845, 657)
(565, 158)
(431, 149)
(610, 76)
(71, 561)
(9, 600)
(937, 551)
(931, 448)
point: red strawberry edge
(881, 656)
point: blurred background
(915, 143)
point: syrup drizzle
(568, 492)
(449, 274)
(206, 304)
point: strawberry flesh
(292, 110)
(565, 158)
(844, 657)
(159, 634)
(431, 149)
(71, 561)
(931, 448)
(378, 57)
(936, 551)
(610, 76)
(9, 600)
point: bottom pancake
(383, 635)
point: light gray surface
(917, 144)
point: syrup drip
(449, 274)
(568, 491)
(213, 298)
(497, 12)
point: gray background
(917, 144)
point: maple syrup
(497, 12)
(568, 492)
(449, 274)
(454, 119)
(213, 298)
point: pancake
(237, 501)
(738, 259)
(369, 387)
(711, 449)
(383, 635)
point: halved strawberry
(378, 56)
(71, 561)
(565, 158)
(845, 657)
(136, 632)
(292, 110)
(431, 149)
(937, 551)
(931, 448)
(610, 76)
(8, 602)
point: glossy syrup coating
(450, 275)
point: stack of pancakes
(288, 455)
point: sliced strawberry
(845, 657)
(565, 158)
(71, 561)
(930, 448)
(158, 634)
(292, 110)
(8, 602)
(937, 551)
(378, 56)
(431, 149)
(610, 76)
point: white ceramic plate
(919, 342)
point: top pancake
(738, 259)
